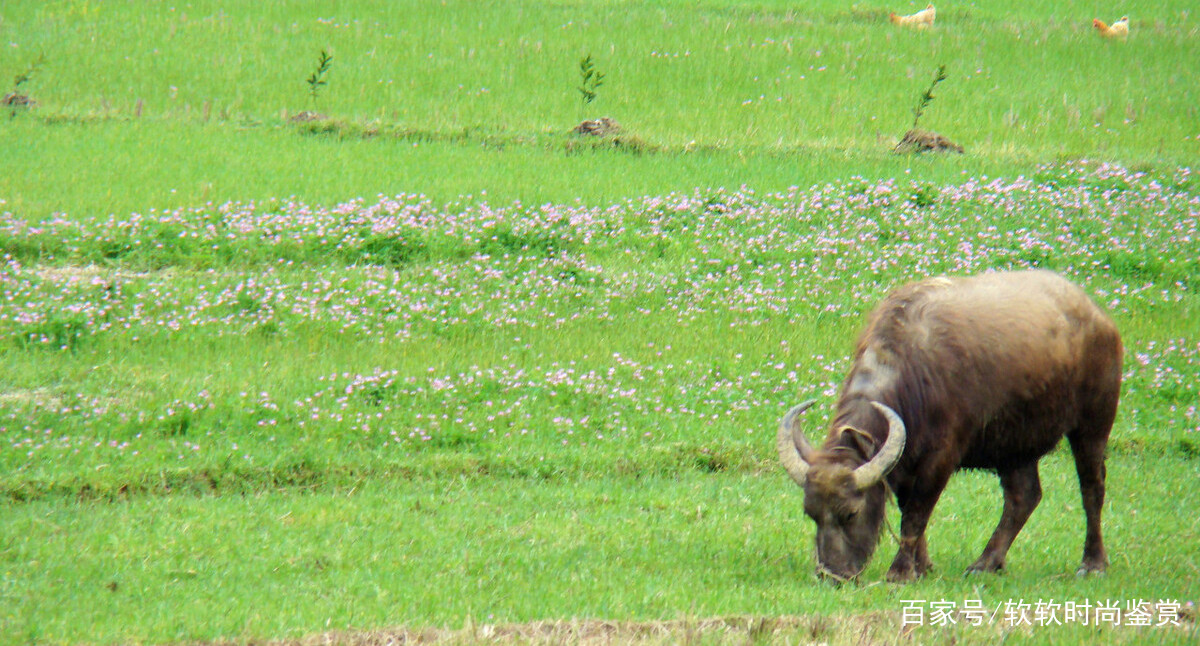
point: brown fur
(989, 372)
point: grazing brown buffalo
(988, 372)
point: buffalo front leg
(916, 504)
(1022, 493)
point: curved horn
(793, 448)
(873, 472)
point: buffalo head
(844, 489)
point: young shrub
(316, 80)
(15, 99)
(590, 80)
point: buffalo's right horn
(873, 472)
(794, 449)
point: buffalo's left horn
(873, 472)
(792, 446)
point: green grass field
(432, 366)
(158, 106)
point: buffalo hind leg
(1089, 464)
(1022, 493)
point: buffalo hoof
(1090, 570)
(986, 564)
(905, 569)
(978, 571)
(903, 575)
(1092, 564)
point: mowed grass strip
(474, 551)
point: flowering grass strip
(660, 327)
(1085, 216)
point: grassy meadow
(164, 105)
(429, 366)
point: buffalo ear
(862, 440)
(794, 450)
(872, 473)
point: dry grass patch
(857, 630)
(862, 629)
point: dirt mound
(924, 141)
(15, 100)
(602, 127)
(307, 117)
